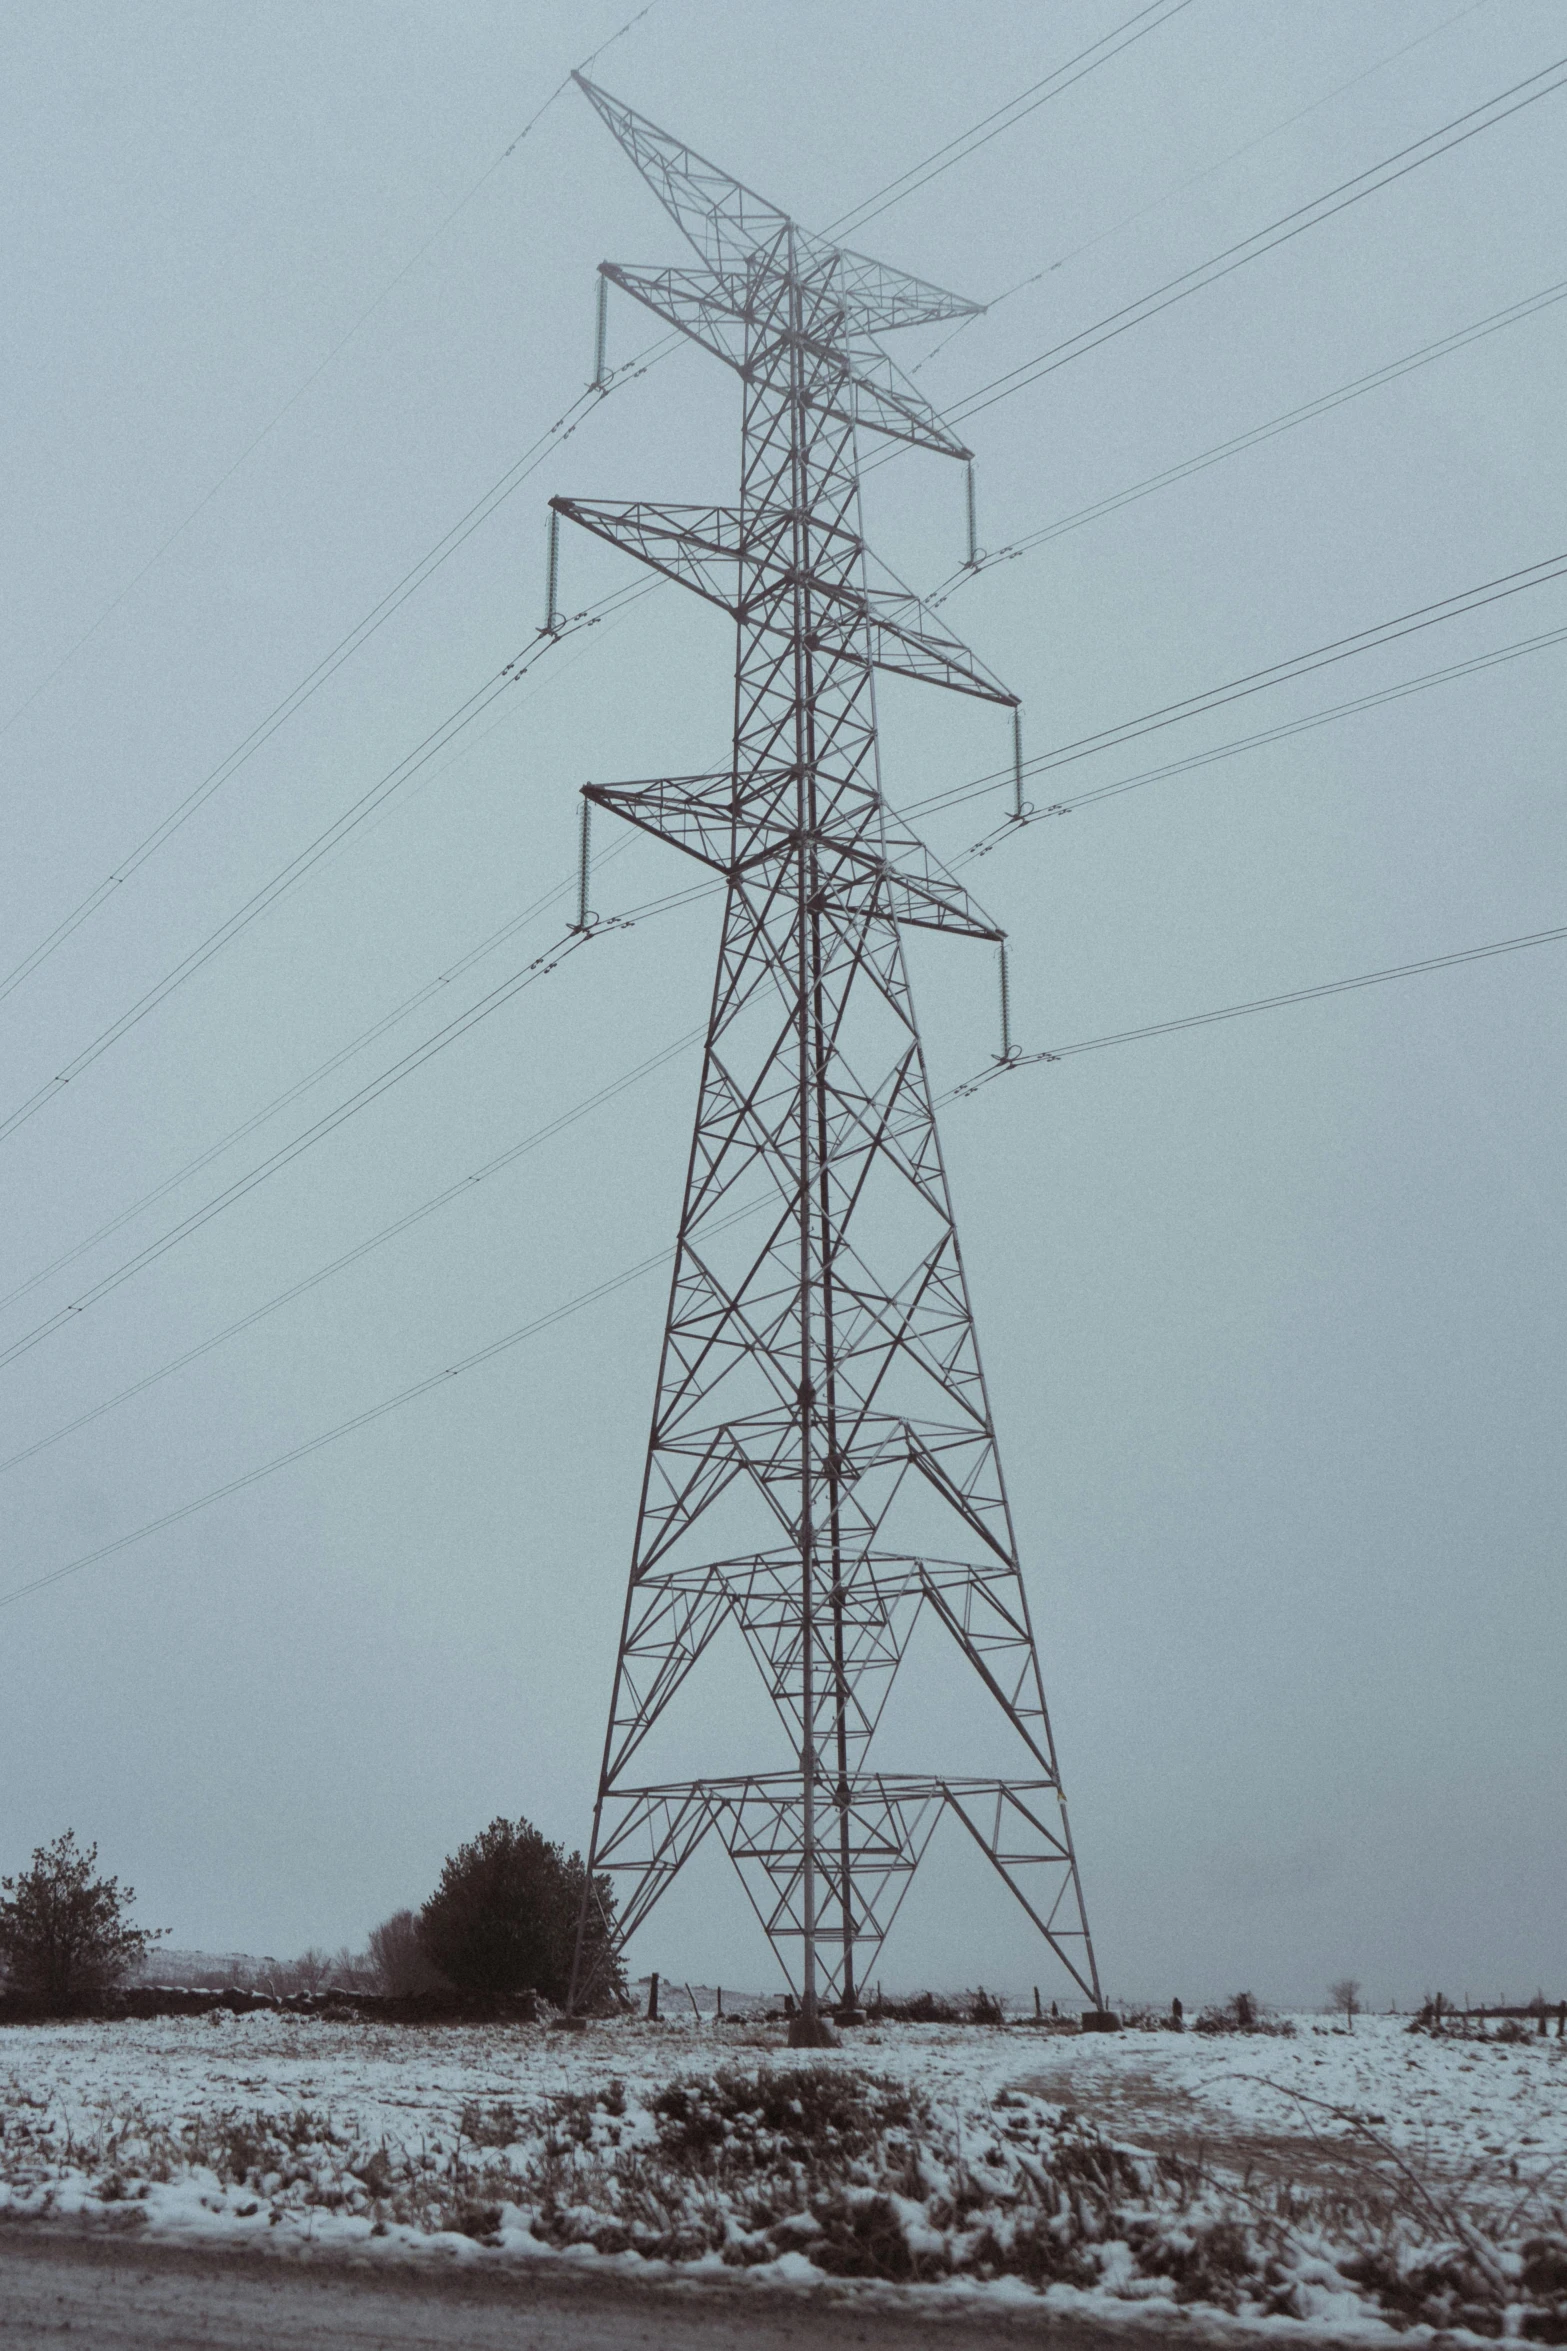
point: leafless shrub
(1243, 2012)
(401, 1966)
(923, 2008)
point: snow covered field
(1486, 2116)
(1375, 2181)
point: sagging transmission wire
(562, 889)
(663, 1257)
(1257, 681)
(1179, 188)
(957, 150)
(1309, 410)
(1199, 1020)
(1289, 225)
(528, 463)
(537, 968)
(314, 376)
(998, 780)
(312, 1078)
(346, 647)
(1297, 665)
(1475, 664)
(290, 875)
(375, 1412)
(1370, 182)
(459, 1190)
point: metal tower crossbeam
(822, 1473)
(714, 548)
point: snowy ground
(1482, 2116)
(1356, 2183)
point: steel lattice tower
(822, 1467)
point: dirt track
(116, 2297)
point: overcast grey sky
(1271, 1311)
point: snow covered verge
(914, 2156)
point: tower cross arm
(878, 395)
(696, 814)
(729, 223)
(879, 299)
(910, 648)
(709, 305)
(702, 547)
(708, 819)
(713, 307)
(697, 546)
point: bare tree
(1345, 1997)
(401, 1965)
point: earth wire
(297, 395)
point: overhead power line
(304, 1085)
(1370, 182)
(330, 1121)
(362, 1249)
(290, 875)
(228, 767)
(1306, 413)
(1193, 179)
(1016, 110)
(1201, 1020)
(360, 1420)
(316, 373)
(283, 711)
(647, 1265)
(315, 1133)
(1257, 681)
(1241, 743)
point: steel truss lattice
(822, 1470)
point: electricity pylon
(822, 1467)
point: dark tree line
(503, 1919)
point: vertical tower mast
(822, 1467)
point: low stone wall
(140, 2001)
